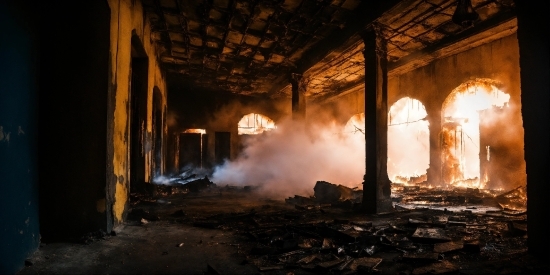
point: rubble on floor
(473, 200)
(95, 236)
(429, 232)
(326, 192)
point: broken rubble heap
(193, 186)
(200, 184)
(472, 199)
(326, 192)
(417, 240)
(325, 238)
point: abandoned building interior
(274, 137)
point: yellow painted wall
(127, 15)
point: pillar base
(384, 206)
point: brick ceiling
(251, 46)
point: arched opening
(139, 67)
(157, 135)
(464, 109)
(249, 128)
(356, 125)
(408, 142)
(355, 133)
(253, 124)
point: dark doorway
(222, 146)
(204, 150)
(138, 110)
(190, 150)
(172, 154)
(158, 127)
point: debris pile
(420, 240)
(429, 232)
(327, 240)
(459, 199)
(327, 194)
(198, 185)
(95, 236)
(513, 200)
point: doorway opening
(138, 112)
(460, 142)
(158, 134)
(192, 148)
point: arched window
(356, 124)
(460, 134)
(253, 124)
(408, 142)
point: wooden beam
(487, 31)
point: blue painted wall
(19, 230)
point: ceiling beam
(492, 29)
(364, 14)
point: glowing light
(460, 135)
(356, 124)
(253, 124)
(195, 131)
(408, 142)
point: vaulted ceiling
(251, 46)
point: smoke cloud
(290, 159)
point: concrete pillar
(535, 97)
(299, 88)
(376, 184)
(434, 171)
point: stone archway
(465, 159)
(408, 142)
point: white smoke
(290, 159)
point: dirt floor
(232, 230)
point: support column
(299, 87)
(535, 82)
(434, 171)
(376, 184)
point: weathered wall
(19, 228)
(216, 112)
(431, 84)
(127, 18)
(84, 114)
(343, 106)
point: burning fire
(253, 124)
(460, 134)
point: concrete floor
(154, 247)
(148, 249)
(172, 240)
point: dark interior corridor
(122, 146)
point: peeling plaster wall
(343, 106)
(127, 18)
